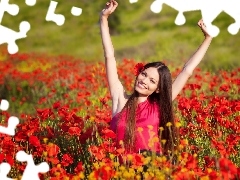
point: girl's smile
(147, 81)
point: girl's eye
(152, 81)
(143, 73)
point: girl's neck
(141, 99)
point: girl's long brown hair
(164, 100)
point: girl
(139, 118)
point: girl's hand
(203, 28)
(109, 8)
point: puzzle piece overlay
(9, 36)
(209, 10)
(31, 171)
(59, 19)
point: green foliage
(136, 33)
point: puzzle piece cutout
(4, 105)
(12, 121)
(232, 9)
(4, 170)
(30, 2)
(12, 9)
(76, 11)
(209, 11)
(31, 171)
(133, 1)
(10, 129)
(7, 35)
(59, 19)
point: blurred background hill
(137, 33)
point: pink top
(147, 119)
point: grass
(137, 33)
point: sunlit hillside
(136, 33)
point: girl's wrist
(103, 17)
(208, 38)
(103, 20)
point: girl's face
(147, 82)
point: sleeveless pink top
(147, 125)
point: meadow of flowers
(64, 109)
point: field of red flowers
(64, 109)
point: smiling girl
(139, 118)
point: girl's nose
(144, 80)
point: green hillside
(136, 32)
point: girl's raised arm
(115, 86)
(191, 64)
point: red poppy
(227, 165)
(44, 113)
(20, 136)
(138, 68)
(78, 120)
(103, 100)
(33, 140)
(191, 163)
(2, 157)
(183, 176)
(224, 87)
(209, 162)
(97, 152)
(56, 105)
(194, 86)
(10, 159)
(138, 160)
(79, 167)
(74, 131)
(227, 168)
(104, 173)
(107, 133)
(66, 160)
(86, 135)
(56, 170)
(52, 149)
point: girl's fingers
(114, 7)
(199, 23)
(115, 2)
(107, 4)
(202, 26)
(111, 5)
